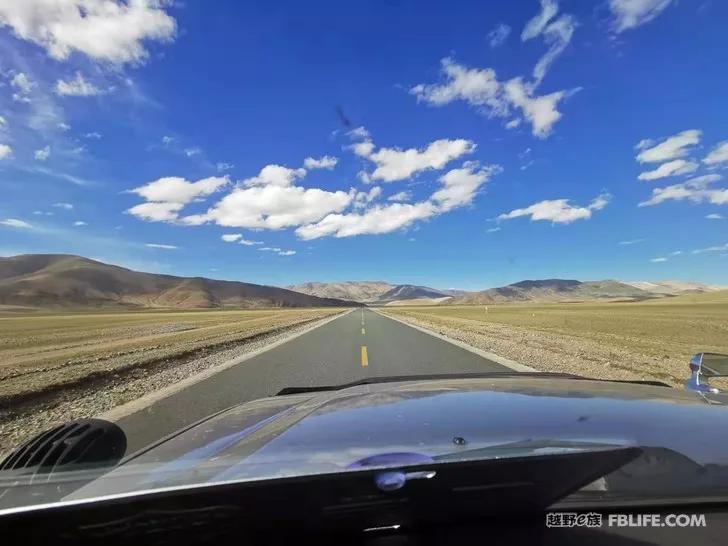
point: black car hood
(327, 432)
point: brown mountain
(554, 290)
(58, 280)
(361, 291)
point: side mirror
(704, 366)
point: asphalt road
(355, 346)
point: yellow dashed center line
(364, 357)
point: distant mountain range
(57, 280)
(547, 290)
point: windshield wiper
(490, 375)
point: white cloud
(157, 211)
(459, 186)
(493, 229)
(174, 189)
(717, 155)
(362, 198)
(193, 151)
(379, 219)
(278, 251)
(715, 216)
(658, 260)
(79, 223)
(246, 242)
(6, 152)
(393, 164)
(3, 123)
(65, 206)
(15, 223)
(631, 242)
(400, 196)
(633, 13)
(326, 162)
(535, 26)
(77, 87)
(499, 35)
(719, 248)
(222, 166)
(94, 135)
(104, 30)
(163, 247)
(671, 168)
(231, 237)
(359, 133)
(23, 87)
(273, 207)
(558, 211)
(167, 140)
(671, 148)
(696, 190)
(63, 127)
(275, 175)
(481, 89)
(43, 153)
(556, 34)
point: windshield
(230, 233)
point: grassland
(617, 340)
(43, 352)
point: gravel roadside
(550, 352)
(76, 403)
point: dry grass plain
(43, 352)
(611, 340)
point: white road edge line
(512, 364)
(135, 406)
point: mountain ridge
(65, 280)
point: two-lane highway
(354, 346)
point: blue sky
(406, 141)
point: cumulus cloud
(277, 250)
(400, 196)
(192, 151)
(714, 216)
(161, 246)
(174, 189)
(167, 196)
(498, 36)
(273, 207)
(378, 219)
(393, 164)
(15, 223)
(717, 155)
(22, 86)
(481, 89)
(695, 190)
(246, 242)
(671, 168)
(275, 175)
(6, 152)
(43, 154)
(77, 87)
(558, 211)
(630, 14)
(231, 237)
(104, 30)
(326, 162)
(672, 147)
(458, 188)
